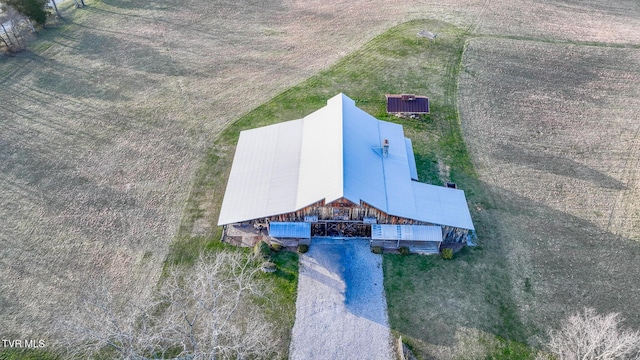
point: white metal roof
(406, 232)
(412, 159)
(442, 205)
(264, 175)
(331, 153)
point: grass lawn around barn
(430, 301)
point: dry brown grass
(553, 130)
(104, 123)
(573, 20)
(106, 120)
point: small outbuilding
(407, 104)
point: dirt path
(341, 311)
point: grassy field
(109, 162)
(557, 144)
(486, 303)
(105, 122)
(554, 138)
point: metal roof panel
(413, 169)
(334, 152)
(442, 206)
(264, 173)
(406, 232)
(297, 230)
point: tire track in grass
(625, 214)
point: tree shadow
(556, 164)
(557, 263)
(124, 51)
(533, 266)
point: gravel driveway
(341, 310)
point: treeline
(19, 17)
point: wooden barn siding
(348, 211)
(454, 235)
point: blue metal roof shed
(406, 232)
(290, 230)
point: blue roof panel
(406, 232)
(412, 159)
(291, 230)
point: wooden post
(400, 349)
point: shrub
(262, 249)
(269, 267)
(404, 250)
(377, 249)
(447, 253)
(302, 248)
(35, 10)
(276, 247)
(527, 285)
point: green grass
(285, 280)
(280, 303)
(510, 350)
(27, 354)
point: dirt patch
(341, 311)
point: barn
(337, 172)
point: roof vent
(385, 147)
(408, 97)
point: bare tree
(55, 7)
(102, 324)
(589, 336)
(212, 313)
(207, 312)
(14, 24)
(7, 42)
